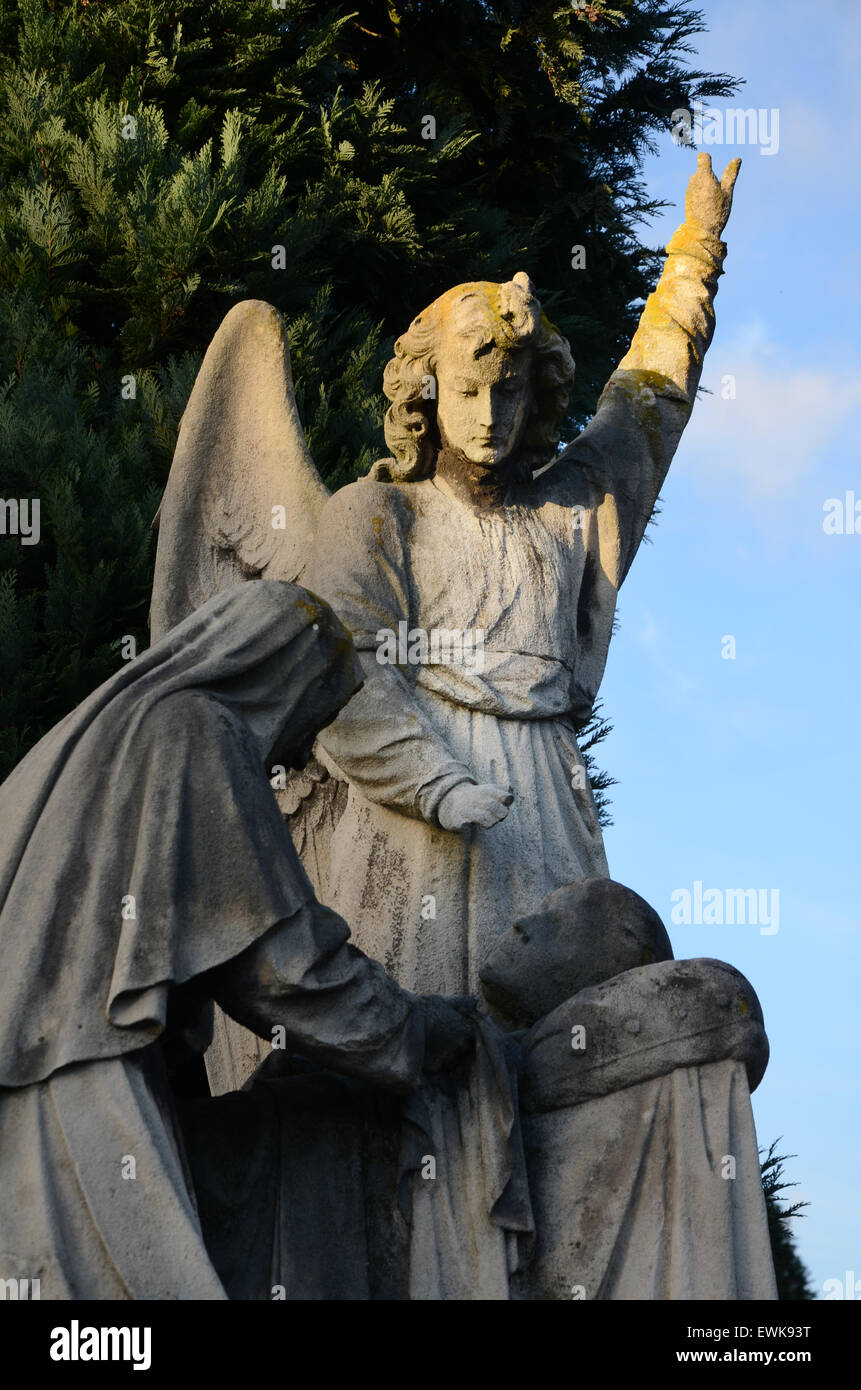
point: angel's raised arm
(628, 446)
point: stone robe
(145, 870)
(642, 1153)
(539, 578)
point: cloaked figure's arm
(337, 1006)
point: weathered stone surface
(582, 934)
(651, 1192)
(240, 454)
(467, 805)
(148, 814)
(634, 1096)
(644, 1023)
(468, 797)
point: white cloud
(781, 424)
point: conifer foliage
(793, 1279)
(155, 154)
(162, 159)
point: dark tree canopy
(152, 154)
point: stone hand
(449, 1034)
(707, 201)
(467, 804)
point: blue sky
(746, 772)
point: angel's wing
(244, 496)
(242, 502)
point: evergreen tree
(155, 154)
(593, 732)
(793, 1280)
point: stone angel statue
(449, 796)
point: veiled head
(483, 370)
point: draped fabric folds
(140, 842)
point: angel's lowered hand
(468, 804)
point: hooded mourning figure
(145, 871)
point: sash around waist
(509, 685)
(459, 666)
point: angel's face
(483, 401)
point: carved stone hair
(506, 316)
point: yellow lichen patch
(501, 309)
(547, 325)
(314, 610)
(643, 389)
